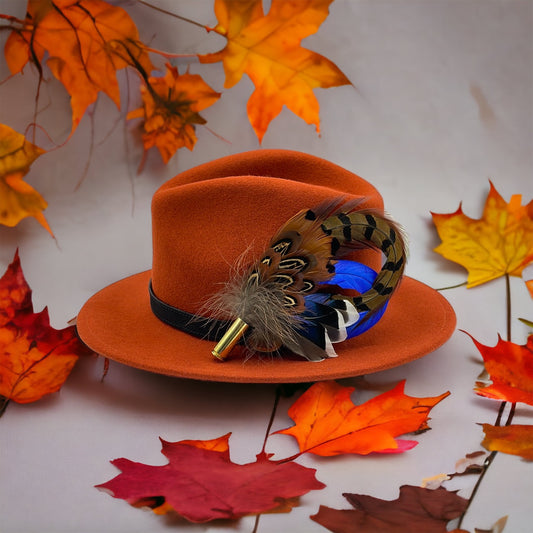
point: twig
(271, 420)
(267, 433)
(508, 304)
(492, 455)
(161, 10)
(256, 523)
(4, 402)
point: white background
(443, 103)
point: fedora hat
(203, 221)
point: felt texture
(203, 221)
(118, 323)
(206, 218)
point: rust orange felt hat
(202, 222)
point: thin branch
(492, 455)
(267, 433)
(500, 414)
(486, 464)
(91, 149)
(11, 18)
(511, 414)
(272, 416)
(4, 402)
(161, 10)
(256, 523)
(508, 304)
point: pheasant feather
(299, 294)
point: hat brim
(118, 323)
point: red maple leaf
(510, 367)
(201, 483)
(35, 359)
(15, 293)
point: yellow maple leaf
(267, 48)
(171, 106)
(18, 199)
(499, 243)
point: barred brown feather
(270, 296)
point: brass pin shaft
(230, 339)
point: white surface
(444, 102)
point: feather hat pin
(300, 294)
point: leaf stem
(510, 416)
(256, 523)
(4, 402)
(11, 18)
(453, 286)
(508, 304)
(272, 416)
(161, 10)
(500, 414)
(267, 433)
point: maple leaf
(87, 41)
(416, 509)
(18, 200)
(516, 439)
(201, 483)
(527, 275)
(471, 463)
(328, 423)
(171, 106)
(15, 293)
(35, 359)
(510, 367)
(497, 527)
(267, 48)
(500, 242)
(529, 285)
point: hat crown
(207, 219)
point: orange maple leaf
(510, 367)
(267, 48)
(35, 359)
(18, 199)
(87, 41)
(516, 439)
(527, 275)
(171, 106)
(328, 423)
(499, 243)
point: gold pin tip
(230, 339)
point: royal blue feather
(353, 275)
(348, 275)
